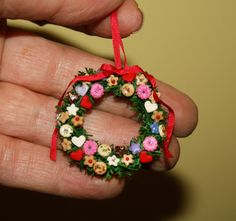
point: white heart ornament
(78, 141)
(82, 90)
(150, 107)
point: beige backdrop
(191, 45)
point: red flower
(129, 77)
(145, 157)
(86, 103)
(77, 155)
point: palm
(34, 73)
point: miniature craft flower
(72, 109)
(78, 121)
(143, 91)
(141, 79)
(127, 89)
(127, 159)
(90, 147)
(113, 160)
(112, 80)
(120, 150)
(97, 90)
(63, 117)
(152, 99)
(66, 144)
(89, 161)
(155, 128)
(157, 116)
(72, 97)
(104, 150)
(100, 168)
(66, 130)
(162, 130)
(150, 143)
(135, 148)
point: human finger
(26, 165)
(47, 67)
(163, 163)
(89, 15)
(31, 117)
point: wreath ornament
(130, 82)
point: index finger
(47, 67)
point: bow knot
(128, 73)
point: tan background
(191, 45)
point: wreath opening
(109, 160)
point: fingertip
(130, 19)
(108, 189)
(186, 110)
(76, 184)
(164, 164)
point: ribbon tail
(53, 150)
(169, 130)
(170, 126)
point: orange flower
(89, 160)
(63, 117)
(157, 116)
(78, 121)
(66, 145)
(127, 159)
(112, 80)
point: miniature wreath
(109, 160)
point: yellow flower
(162, 130)
(104, 150)
(112, 80)
(127, 159)
(89, 160)
(100, 168)
(141, 79)
(157, 116)
(63, 117)
(127, 89)
(152, 97)
(66, 145)
(78, 121)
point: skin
(33, 74)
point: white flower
(113, 161)
(72, 109)
(141, 79)
(66, 130)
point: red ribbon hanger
(128, 73)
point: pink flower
(90, 147)
(150, 143)
(97, 90)
(143, 91)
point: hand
(34, 73)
